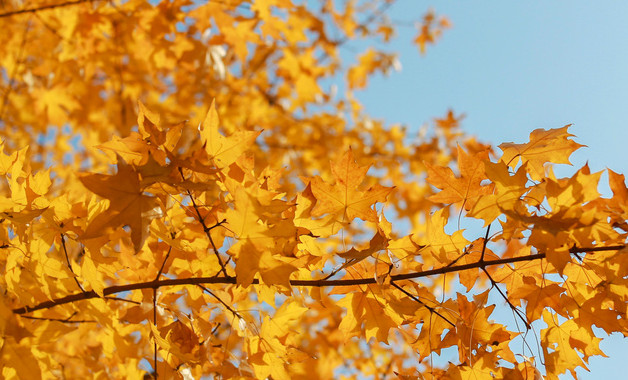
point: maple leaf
(444, 247)
(467, 187)
(133, 149)
(128, 205)
(343, 197)
(273, 269)
(474, 326)
(323, 227)
(223, 151)
(363, 308)
(151, 129)
(479, 370)
(538, 297)
(430, 30)
(552, 145)
(450, 121)
(234, 212)
(581, 188)
(354, 256)
(557, 337)
(179, 340)
(507, 192)
(57, 102)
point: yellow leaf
(90, 273)
(446, 247)
(557, 338)
(354, 256)
(177, 339)
(545, 146)
(20, 358)
(128, 204)
(344, 197)
(223, 151)
(364, 309)
(467, 187)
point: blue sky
(512, 67)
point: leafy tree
(190, 188)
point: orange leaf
(353, 256)
(552, 145)
(223, 151)
(343, 197)
(557, 337)
(128, 205)
(467, 187)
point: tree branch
(44, 7)
(307, 283)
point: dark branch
(308, 283)
(44, 7)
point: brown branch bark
(44, 7)
(306, 283)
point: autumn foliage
(191, 188)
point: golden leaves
(430, 29)
(223, 151)
(343, 197)
(552, 145)
(128, 205)
(217, 212)
(250, 255)
(464, 189)
(366, 312)
(559, 353)
(18, 360)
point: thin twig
(494, 283)
(513, 307)
(163, 264)
(155, 323)
(206, 229)
(65, 320)
(488, 230)
(122, 300)
(415, 298)
(233, 311)
(67, 259)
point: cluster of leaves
(269, 242)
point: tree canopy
(191, 188)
